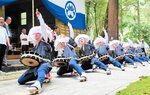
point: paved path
(98, 83)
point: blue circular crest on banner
(70, 10)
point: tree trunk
(113, 19)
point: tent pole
(3, 10)
(32, 13)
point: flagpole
(32, 13)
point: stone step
(13, 68)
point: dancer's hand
(37, 13)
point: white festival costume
(82, 36)
(59, 40)
(44, 29)
(97, 40)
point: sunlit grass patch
(141, 87)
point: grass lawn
(141, 87)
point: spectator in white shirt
(6, 25)
(4, 42)
(24, 40)
(9, 33)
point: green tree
(133, 19)
(96, 14)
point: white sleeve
(5, 32)
(45, 29)
(41, 20)
(71, 30)
(91, 35)
(106, 36)
(21, 37)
